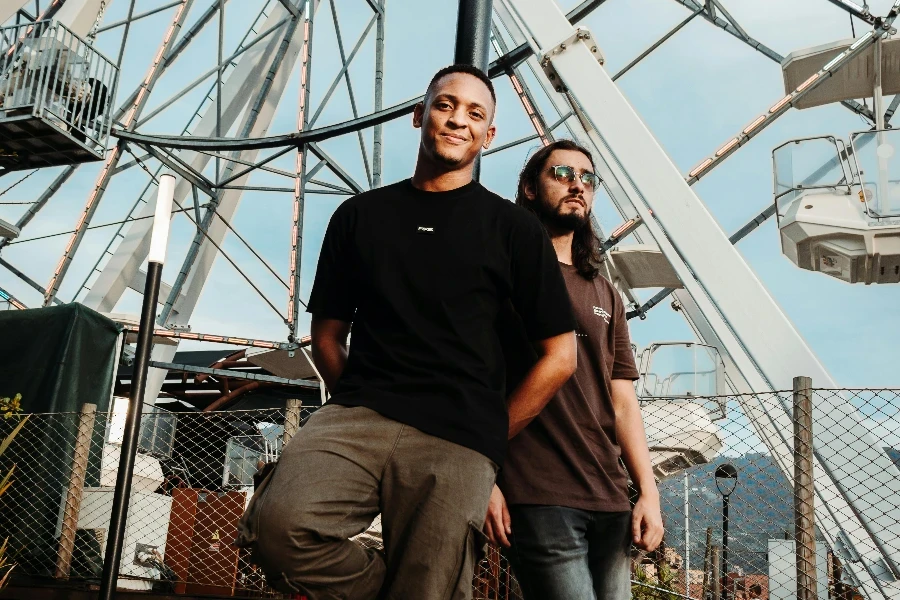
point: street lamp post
(726, 482)
(156, 258)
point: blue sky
(695, 92)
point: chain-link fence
(195, 473)
(193, 478)
(732, 460)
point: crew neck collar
(448, 194)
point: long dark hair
(585, 241)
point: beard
(555, 219)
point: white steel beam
(238, 90)
(132, 251)
(140, 280)
(157, 67)
(227, 206)
(80, 15)
(9, 8)
(230, 199)
(727, 299)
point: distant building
(783, 569)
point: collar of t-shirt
(445, 195)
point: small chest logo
(601, 312)
(425, 229)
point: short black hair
(469, 70)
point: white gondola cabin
(55, 97)
(680, 390)
(838, 206)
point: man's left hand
(646, 522)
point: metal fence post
(76, 489)
(292, 419)
(707, 565)
(715, 563)
(804, 509)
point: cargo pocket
(248, 525)
(474, 550)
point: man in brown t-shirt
(569, 523)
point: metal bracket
(177, 327)
(619, 233)
(581, 35)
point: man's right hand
(497, 522)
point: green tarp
(58, 359)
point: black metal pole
(122, 492)
(473, 41)
(473, 33)
(725, 501)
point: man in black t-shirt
(417, 424)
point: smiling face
(455, 119)
(563, 205)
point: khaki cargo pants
(342, 469)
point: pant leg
(609, 540)
(434, 497)
(324, 490)
(549, 553)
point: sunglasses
(567, 174)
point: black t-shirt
(422, 276)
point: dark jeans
(563, 553)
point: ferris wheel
(99, 98)
(115, 93)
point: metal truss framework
(189, 152)
(722, 299)
(248, 84)
(165, 150)
(507, 63)
(304, 383)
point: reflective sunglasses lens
(591, 180)
(564, 174)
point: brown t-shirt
(569, 456)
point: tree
(660, 586)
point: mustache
(578, 197)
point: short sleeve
(539, 291)
(623, 365)
(333, 295)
